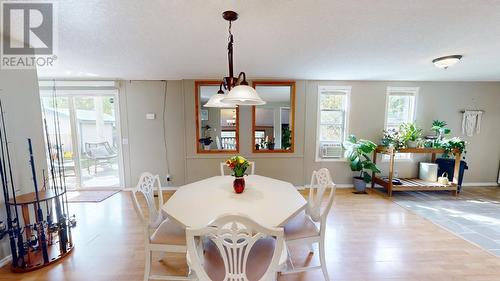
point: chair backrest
(252, 168)
(147, 185)
(98, 149)
(321, 182)
(234, 237)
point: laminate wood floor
(369, 238)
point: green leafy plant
(410, 132)
(453, 144)
(286, 138)
(358, 154)
(393, 138)
(439, 127)
(238, 164)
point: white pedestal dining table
(269, 202)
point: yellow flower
(241, 160)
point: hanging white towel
(471, 122)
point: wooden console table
(414, 184)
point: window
(259, 136)
(333, 107)
(400, 108)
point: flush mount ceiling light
(239, 91)
(447, 61)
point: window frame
(347, 92)
(401, 91)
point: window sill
(331, 160)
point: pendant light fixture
(215, 100)
(239, 91)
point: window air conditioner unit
(331, 150)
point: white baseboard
(479, 184)
(169, 188)
(347, 185)
(164, 188)
(341, 185)
(299, 187)
(5, 260)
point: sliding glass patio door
(90, 137)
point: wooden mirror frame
(199, 150)
(292, 115)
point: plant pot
(412, 144)
(359, 184)
(206, 147)
(239, 184)
(257, 147)
(271, 146)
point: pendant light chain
(239, 93)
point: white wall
(23, 117)
(145, 150)
(436, 100)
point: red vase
(239, 184)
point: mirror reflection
(273, 122)
(217, 127)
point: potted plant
(206, 142)
(286, 138)
(392, 138)
(439, 127)
(358, 155)
(270, 143)
(238, 164)
(451, 145)
(410, 134)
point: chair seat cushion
(301, 226)
(259, 258)
(169, 233)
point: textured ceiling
(338, 40)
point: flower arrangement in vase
(238, 165)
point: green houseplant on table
(358, 155)
(410, 134)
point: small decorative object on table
(238, 164)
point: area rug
(92, 196)
(474, 215)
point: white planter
(206, 147)
(411, 144)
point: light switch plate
(150, 116)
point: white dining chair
(303, 229)
(236, 249)
(162, 235)
(252, 166)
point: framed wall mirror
(217, 128)
(273, 123)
